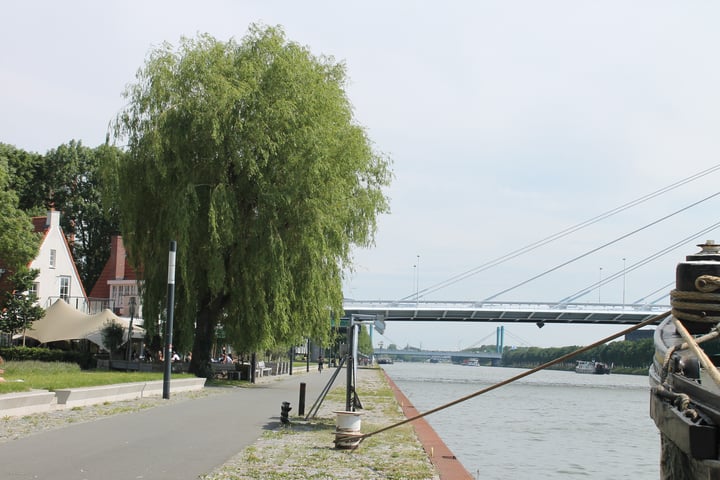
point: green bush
(85, 360)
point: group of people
(225, 357)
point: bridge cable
(657, 318)
(514, 336)
(557, 267)
(661, 289)
(558, 235)
(477, 343)
(635, 265)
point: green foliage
(58, 374)
(18, 243)
(631, 354)
(71, 183)
(67, 179)
(251, 160)
(84, 360)
(112, 335)
(24, 177)
(18, 309)
(364, 343)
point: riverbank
(299, 451)
(305, 450)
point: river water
(549, 425)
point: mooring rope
(699, 353)
(561, 359)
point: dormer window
(53, 257)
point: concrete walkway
(178, 441)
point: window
(65, 288)
(33, 290)
(53, 257)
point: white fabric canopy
(62, 323)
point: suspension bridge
(413, 308)
(504, 312)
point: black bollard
(285, 412)
(301, 404)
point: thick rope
(707, 284)
(561, 359)
(699, 353)
(699, 301)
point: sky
(506, 121)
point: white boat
(599, 368)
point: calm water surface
(549, 425)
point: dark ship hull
(685, 396)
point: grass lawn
(28, 375)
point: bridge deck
(607, 314)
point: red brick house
(118, 283)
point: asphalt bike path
(178, 441)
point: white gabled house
(58, 277)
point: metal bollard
(301, 405)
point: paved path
(178, 441)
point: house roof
(43, 225)
(116, 268)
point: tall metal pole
(623, 281)
(130, 328)
(417, 285)
(292, 359)
(414, 285)
(349, 365)
(169, 322)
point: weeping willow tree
(249, 156)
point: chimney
(117, 256)
(53, 218)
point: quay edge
(445, 462)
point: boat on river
(597, 368)
(684, 379)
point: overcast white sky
(507, 121)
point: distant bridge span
(496, 356)
(539, 312)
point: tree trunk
(204, 334)
(199, 365)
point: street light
(417, 285)
(414, 286)
(599, 284)
(131, 307)
(623, 282)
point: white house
(58, 276)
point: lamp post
(131, 307)
(170, 316)
(623, 282)
(417, 285)
(414, 286)
(599, 284)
